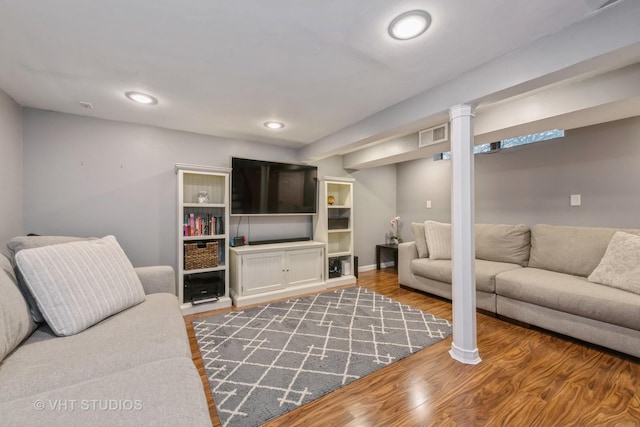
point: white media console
(261, 273)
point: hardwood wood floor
(526, 378)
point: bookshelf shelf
(206, 270)
(198, 238)
(204, 205)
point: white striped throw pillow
(438, 239)
(78, 284)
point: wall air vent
(434, 135)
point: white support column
(464, 347)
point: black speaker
(355, 266)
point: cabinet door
(304, 266)
(262, 272)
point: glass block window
(510, 142)
(530, 139)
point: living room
(75, 172)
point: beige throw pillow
(19, 243)
(78, 284)
(620, 265)
(420, 238)
(438, 239)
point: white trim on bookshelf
(200, 168)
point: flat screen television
(271, 188)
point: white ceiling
(224, 67)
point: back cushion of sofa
(570, 250)
(503, 243)
(16, 322)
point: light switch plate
(575, 200)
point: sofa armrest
(157, 279)
(407, 252)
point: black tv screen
(270, 188)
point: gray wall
(532, 184)
(91, 177)
(10, 169)
(374, 199)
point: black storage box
(338, 223)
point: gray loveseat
(132, 369)
(539, 277)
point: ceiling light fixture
(273, 124)
(141, 98)
(409, 25)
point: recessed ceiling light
(141, 98)
(409, 25)
(273, 124)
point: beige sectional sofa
(553, 279)
(132, 368)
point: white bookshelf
(203, 289)
(334, 226)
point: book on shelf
(202, 225)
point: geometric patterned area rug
(265, 361)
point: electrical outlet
(575, 200)
(428, 204)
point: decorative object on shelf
(203, 197)
(395, 238)
(331, 200)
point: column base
(469, 357)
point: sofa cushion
(620, 265)
(438, 239)
(570, 250)
(571, 294)
(503, 243)
(78, 284)
(420, 238)
(152, 330)
(440, 270)
(16, 322)
(161, 393)
(19, 243)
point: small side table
(387, 247)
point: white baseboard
(373, 266)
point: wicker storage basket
(197, 256)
